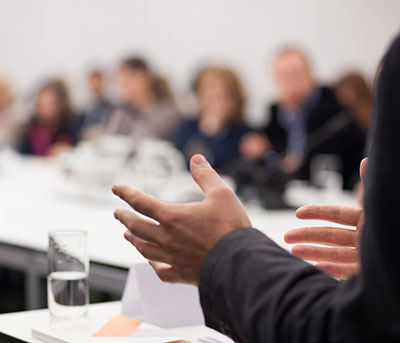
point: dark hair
(59, 88)
(160, 86)
(136, 63)
(362, 106)
(356, 82)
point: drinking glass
(325, 173)
(68, 271)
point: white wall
(39, 38)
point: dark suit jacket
(257, 292)
(330, 130)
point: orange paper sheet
(118, 326)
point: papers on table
(149, 299)
(118, 329)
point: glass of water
(68, 271)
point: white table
(34, 200)
(19, 324)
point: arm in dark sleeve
(257, 292)
(254, 291)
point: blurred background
(278, 95)
(43, 38)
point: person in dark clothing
(53, 128)
(255, 291)
(219, 127)
(307, 120)
(99, 109)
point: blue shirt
(219, 149)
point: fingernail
(199, 160)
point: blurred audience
(148, 109)
(306, 120)
(53, 127)
(219, 126)
(99, 108)
(8, 122)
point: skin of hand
(254, 145)
(176, 238)
(59, 148)
(340, 258)
(290, 163)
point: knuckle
(131, 225)
(170, 245)
(171, 218)
(223, 192)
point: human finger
(363, 169)
(204, 175)
(144, 203)
(165, 272)
(139, 226)
(149, 250)
(322, 254)
(337, 214)
(339, 270)
(322, 235)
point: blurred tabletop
(36, 197)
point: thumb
(363, 169)
(204, 175)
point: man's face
(133, 83)
(96, 84)
(293, 79)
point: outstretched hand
(176, 238)
(340, 258)
(338, 255)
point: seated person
(355, 95)
(8, 122)
(219, 126)
(306, 120)
(53, 127)
(99, 108)
(148, 110)
(253, 290)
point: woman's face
(215, 97)
(133, 83)
(47, 106)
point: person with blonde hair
(218, 127)
(8, 123)
(253, 290)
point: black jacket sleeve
(255, 291)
